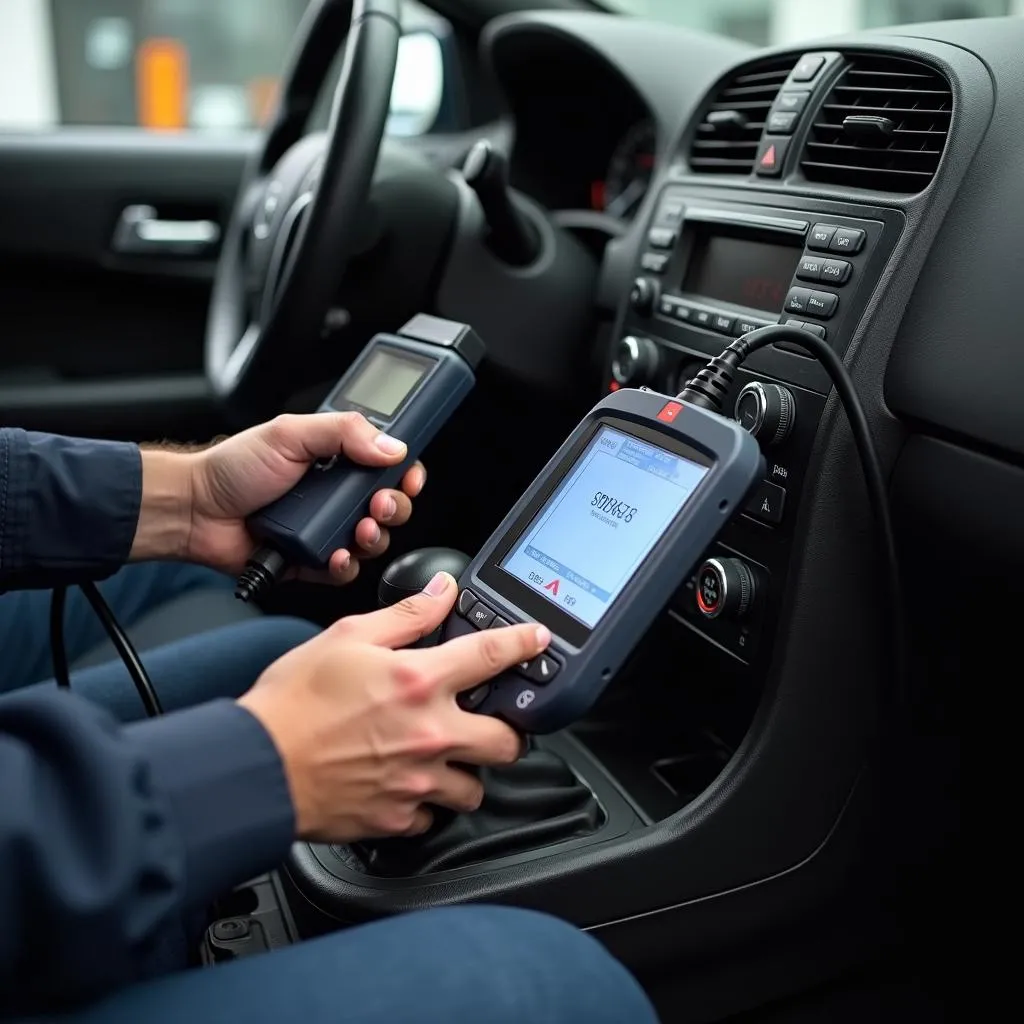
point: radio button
(791, 102)
(821, 237)
(781, 122)
(798, 300)
(466, 601)
(661, 238)
(835, 271)
(722, 323)
(810, 267)
(745, 326)
(822, 304)
(470, 700)
(499, 623)
(702, 317)
(804, 326)
(480, 615)
(670, 213)
(653, 262)
(847, 240)
(683, 312)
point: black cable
(118, 637)
(124, 648)
(708, 390)
(261, 572)
(58, 651)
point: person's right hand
(369, 734)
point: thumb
(325, 434)
(407, 621)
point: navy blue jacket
(108, 833)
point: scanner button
(669, 413)
(466, 601)
(480, 615)
(499, 622)
(470, 700)
(541, 669)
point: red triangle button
(768, 159)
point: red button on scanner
(670, 412)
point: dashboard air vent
(728, 135)
(883, 126)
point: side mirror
(418, 89)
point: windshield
(781, 22)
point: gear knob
(410, 573)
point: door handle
(140, 232)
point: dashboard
(865, 189)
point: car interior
(760, 818)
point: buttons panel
(540, 670)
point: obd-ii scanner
(597, 546)
(408, 384)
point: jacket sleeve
(69, 507)
(109, 833)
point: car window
(174, 65)
(780, 22)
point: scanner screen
(384, 381)
(602, 520)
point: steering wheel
(292, 231)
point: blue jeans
(222, 662)
(484, 965)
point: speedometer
(630, 170)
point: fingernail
(389, 445)
(390, 507)
(343, 561)
(543, 635)
(375, 535)
(438, 585)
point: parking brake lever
(511, 236)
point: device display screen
(742, 271)
(603, 519)
(384, 381)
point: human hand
(242, 474)
(369, 734)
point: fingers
(456, 789)
(485, 740)
(391, 508)
(468, 660)
(371, 539)
(414, 480)
(323, 434)
(405, 622)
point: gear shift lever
(534, 802)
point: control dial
(635, 361)
(725, 587)
(768, 411)
(642, 296)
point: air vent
(883, 127)
(730, 131)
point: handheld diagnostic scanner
(408, 384)
(595, 548)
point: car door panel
(98, 337)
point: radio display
(741, 271)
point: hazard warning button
(771, 155)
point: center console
(712, 267)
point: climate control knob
(635, 361)
(725, 587)
(768, 411)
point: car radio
(712, 265)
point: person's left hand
(242, 474)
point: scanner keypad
(540, 670)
